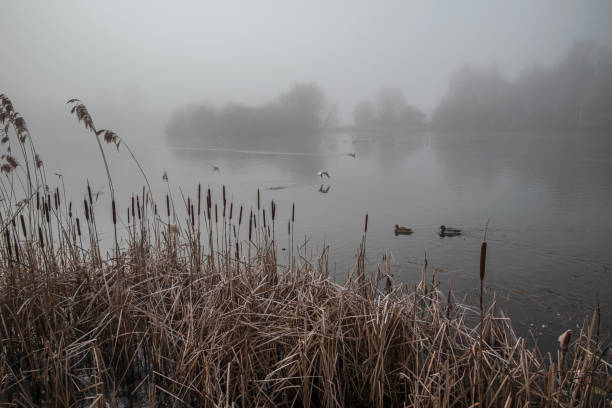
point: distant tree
(364, 114)
(577, 92)
(390, 111)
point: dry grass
(186, 311)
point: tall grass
(188, 311)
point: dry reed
(165, 321)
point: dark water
(548, 197)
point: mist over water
(422, 113)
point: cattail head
(366, 223)
(564, 339)
(483, 258)
(133, 209)
(138, 206)
(250, 225)
(86, 209)
(40, 238)
(258, 206)
(240, 217)
(273, 209)
(199, 198)
(23, 227)
(114, 213)
(216, 214)
(70, 209)
(89, 193)
(231, 210)
(264, 219)
(78, 226)
(167, 205)
(293, 212)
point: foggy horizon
(155, 58)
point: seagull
(352, 155)
(324, 190)
(215, 168)
(323, 173)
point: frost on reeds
(166, 321)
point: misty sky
(162, 55)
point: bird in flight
(324, 190)
(323, 173)
(215, 168)
(352, 155)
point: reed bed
(191, 306)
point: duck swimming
(448, 231)
(402, 230)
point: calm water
(548, 197)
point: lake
(547, 196)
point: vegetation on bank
(192, 306)
(575, 93)
(293, 116)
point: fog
(142, 60)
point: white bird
(323, 173)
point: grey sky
(161, 55)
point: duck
(402, 230)
(448, 231)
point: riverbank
(191, 305)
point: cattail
(264, 219)
(564, 340)
(258, 207)
(40, 238)
(155, 209)
(240, 217)
(23, 227)
(293, 212)
(89, 193)
(208, 201)
(47, 209)
(250, 224)
(216, 215)
(189, 206)
(37, 201)
(224, 198)
(133, 212)
(114, 213)
(273, 210)
(128, 214)
(199, 197)
(78, 226)
(192, 217)
(366, 224)
(56, 200)
(138, 207)
(231, 210)
(167, 205)
(288, 227)
(483, 258)
(70, 209)
(86, 210)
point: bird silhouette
(323, 173)
(324, 190)
(215, 168)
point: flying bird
(323, 173)
(215, 168)
(324, 190)
(352, 155)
